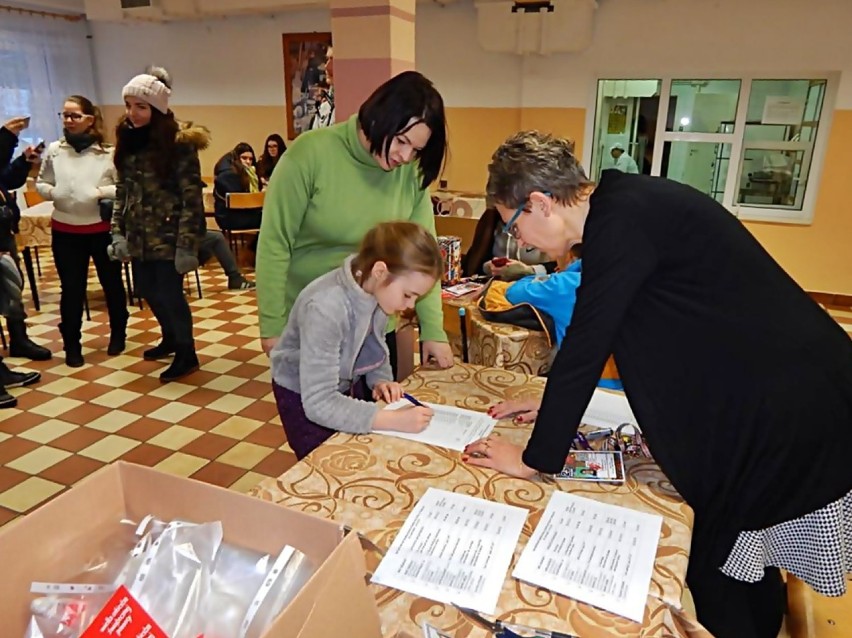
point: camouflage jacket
(157, 217)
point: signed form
(451, 427)
(453, 548)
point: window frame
(745, 212)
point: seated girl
(332, 355)
(496, 253)
(235, 173)
(272, 151)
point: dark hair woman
(273, 149)
(235, 172)
(158, 218)
(336, 183)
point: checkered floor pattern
(219, 425)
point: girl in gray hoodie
(332, 354)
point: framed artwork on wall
(308, 81)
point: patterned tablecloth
(371, 482)
(34, 229)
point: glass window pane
(703, 106)
(627, 116)
(702, 165)
(771, 177)
(784, 110)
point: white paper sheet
(451, 427)
(594, 552)
(453, 548)
(608, 410)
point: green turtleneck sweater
(326, 192)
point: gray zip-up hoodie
(335, 334)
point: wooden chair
(463, 227)
(238, 202)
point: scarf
(79, 141)
(135, 139)
(253, 183)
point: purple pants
(303, 435)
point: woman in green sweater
(334, 184)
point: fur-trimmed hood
(194, 134)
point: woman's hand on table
(387, 391)
(437, 354)
(494, 453)
(525, 410)
(268, 343)
(412, 419)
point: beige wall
(229, 126)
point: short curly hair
(534, 161)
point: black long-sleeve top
(741, 383)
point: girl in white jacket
(78, 175)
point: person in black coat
(741, 383)
(235, 172)
(13, 174)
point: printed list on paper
(453, 548)
(594, 552)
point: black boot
(117, 333)
(185, 362)
(160, 351)
(116, 344)
(20, 344)
(73, 349)
(6, 399)
(11, 379)
(74, 357)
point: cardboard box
(53, 543)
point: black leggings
(729, 608)
(71, 254)
(161, 285)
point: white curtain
(42, 61)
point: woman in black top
(236, 173)
(741, 383)
(273, 148)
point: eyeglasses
(511, 227)
(74, 117)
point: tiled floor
(219, 425)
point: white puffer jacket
(76, 181)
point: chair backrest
(32, 198)
(244, 200)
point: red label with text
(123, 617)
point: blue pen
(411, 399)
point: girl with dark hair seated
(273, 149)
(336, 183)
(494, 252)
(236, 173)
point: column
(373, 41)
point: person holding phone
(78, 176)
(495, 253)
(13, 175)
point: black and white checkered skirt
(816, 548)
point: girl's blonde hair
(402, 246)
